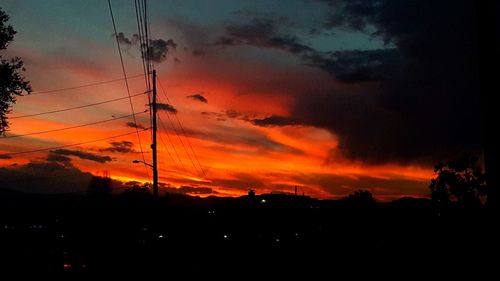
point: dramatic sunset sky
(329, 96)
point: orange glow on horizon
(235, 154)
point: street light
(139, 161)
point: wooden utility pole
(153, 146)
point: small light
(277, 239)
(67, 265)
(160, 236)
(263, 201)
(225, 236)
(62, 236)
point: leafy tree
(12, 83)
(461, 180)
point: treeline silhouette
(254, 235)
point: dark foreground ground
(259, 237)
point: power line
(146, 70)
(168, 151)
(191, 147)
(184, 132)
(182, 143)
(147, 28)
(126, 83)
(82, 86)
(171, 143)
(72, 127)
(73, 108)
(68, 145)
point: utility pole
(153, 146)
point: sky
(330, 96)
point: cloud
(253, 139)
(198, 53)
(5, 156)
(158, 48)
(415, 101)
(274, 121)
(347, 66)
(233, 114)
(82, 155)
(187, 189)
(198, 97)
(358, 66)
(120, 146)
(59, 158)
(195, 190)
(123, 39)
(219, 116)
(270, 121)
(426, 106)
(44, 177)
(261, 33)
(166, 107)
(135, 125)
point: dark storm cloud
(5, 156)
(198, 97)
(358, 66)
(120, 146)
(82, 155)
(261, 33)
(427, 108)
(166, 107)
(418, 102)
(347, 66)
(158, 48)
(134, 125)
(44, 177)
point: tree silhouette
(99, 187)
(461, 180)
(362, 198)
(12, 84)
